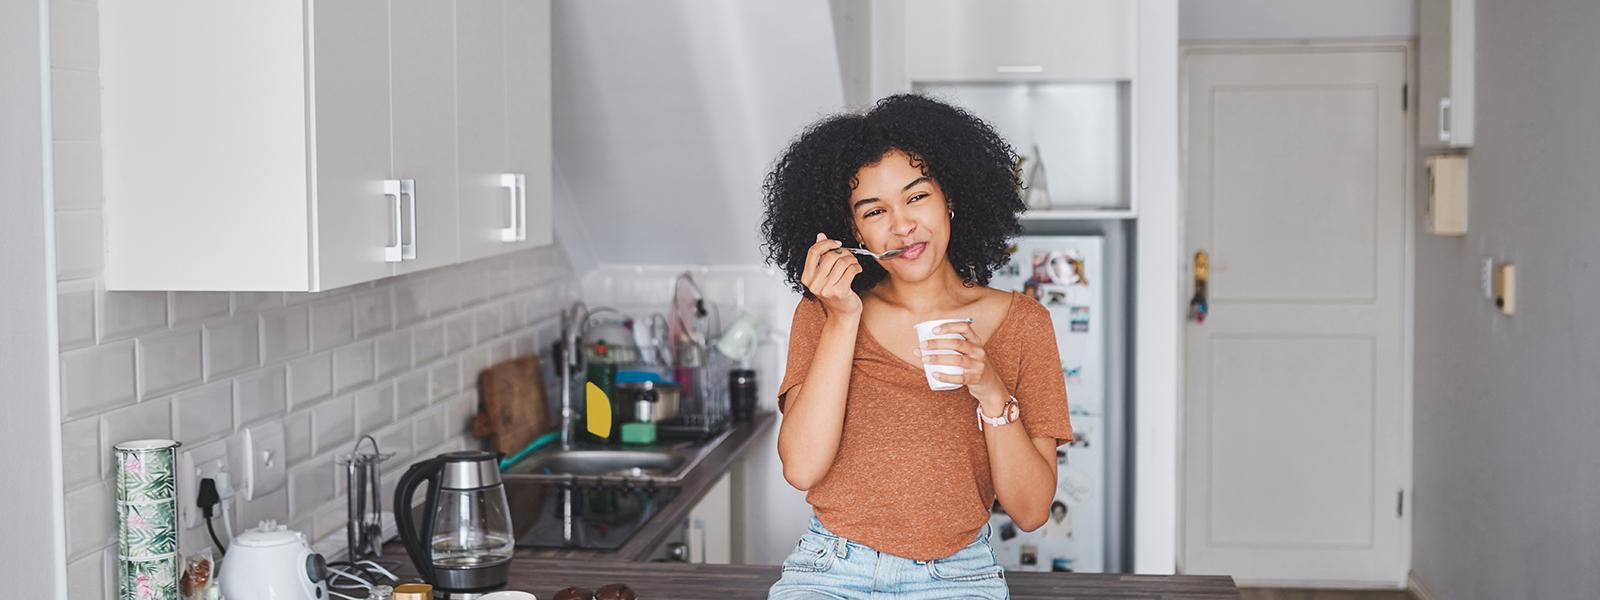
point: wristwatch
(1008, 415)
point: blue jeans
(825, 566)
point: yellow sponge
(597, 408)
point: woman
(902, 478)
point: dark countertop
(681, 581)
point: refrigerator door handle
(1200, 304)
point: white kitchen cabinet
(503, 96)
(1446, 72)
(265, 146)
(1019, 40)
(711, 525)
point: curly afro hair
(808, 189)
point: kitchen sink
(627, 463)
(658, 464)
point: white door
(488, 204)
(355, 220)
(1296, 453)
(423, 71)
(527, 28)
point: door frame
(1407, 48)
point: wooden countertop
(681, 581)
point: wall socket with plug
(201, 462)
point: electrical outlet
(200, 462)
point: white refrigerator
(1069, 276)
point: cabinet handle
(408, 188)
(522, 208)
(509, 182)
(393, 252)
(1444, 121)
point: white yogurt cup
(925, 333)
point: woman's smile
(913, 251)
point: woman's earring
(952, 214)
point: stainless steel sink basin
(626, 463)
(659, 465)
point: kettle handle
(419, 545)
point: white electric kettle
(272, 562)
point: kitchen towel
(147, 520)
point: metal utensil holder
(364, 500)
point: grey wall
(395, 358)
(31, 504)
(1295, 19)
(1507, 469)
(669, 119)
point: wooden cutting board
(511, 405)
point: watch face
(1011, 413)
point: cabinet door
(422, 55)
(350, 91)
(1011, 40)
(1445, 63)
(527, 30)
(489, 205)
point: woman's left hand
(981, 381)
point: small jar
(413, 591)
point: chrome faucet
(574, 326)
(573, 319)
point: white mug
(925, 333)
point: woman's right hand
(829, 271)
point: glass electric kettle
(464, 542)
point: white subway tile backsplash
(86, 578)
(396, 439)
(285, 333)
(94, 379)
(80, 452)
(77, 175)
(411, 393)
(79, 247)
(91, 519)
(374, 408)
(253, 302)
(394, 353)
(273, 506)
(75, 104)
(297, 436)
(232, 346)
(446, 379)
(310, 487)
(193, 307)
(334, 422)
(394, 350)
(261, 395)
(310, 379)
(168, 361)
(428, 430)
(127, 314)
(458, 334)
(203, 412)
(503, 351)
(374, 313)
(428, 342)
(352, 366)
(75, 313)
(147, 420)
(332, 323)
(488, 323)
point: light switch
(1447, 195)
(1505, 288)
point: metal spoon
(887, 253)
